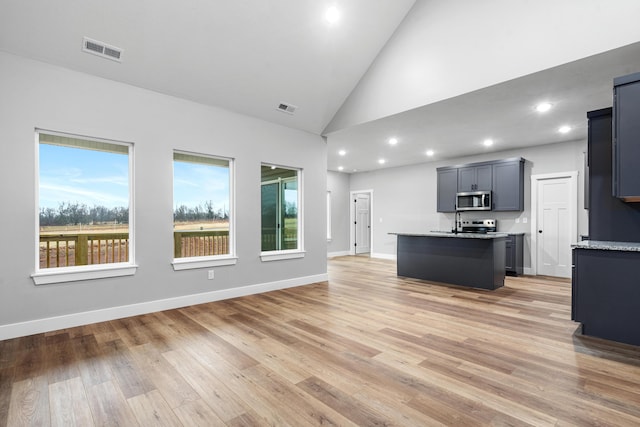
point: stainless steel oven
(473, 201)
(478, 226)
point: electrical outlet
(210, 275)
(524, 220)
(517, 220)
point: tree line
(68, 213)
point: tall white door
(363, 223)
(554, 227)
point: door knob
(540, 231)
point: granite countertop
(607, 246)
(451, 234)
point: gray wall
(405, 197)
(39, 95)
(338, 185)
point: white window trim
(84, 272)
(267, 256)
(191, 263)
(88, 272)
(329, 231)
(280, 255)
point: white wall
(405, 197)
(446, 48)
(39, 95)
(338, 185)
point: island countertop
(490, 235)
(607, 246)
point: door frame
(573, 210)
(352, 219)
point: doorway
(554, 225)
(361, 232)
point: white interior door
(554, 225)
(362, 223)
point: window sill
(280, 255)
(202, 262)
(74, 274)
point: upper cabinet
(508, 185)
(447, 188)
(474, 178)
(626, 137)
(504, 178)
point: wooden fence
(200, 243)
(65, 250)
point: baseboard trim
(383, 256)
(335, 254)
(37, 326)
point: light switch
(524, 220)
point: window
(85, 208)
(328, 215)
(203, 211)
(281, 219)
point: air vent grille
(286, 108)
(102, 49)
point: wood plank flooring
(367, 348)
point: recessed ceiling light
(430, 153)
(543, 107)
(382, 161)
(393, 141)
(273, 167)
(342, 152)
(332, 15)
(488, 142)
(340, 168)
(564, 129)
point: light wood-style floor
(367, 348)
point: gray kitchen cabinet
(514, 251)
(626, 137)
(504, 178)
(447, 188)
(610, 218)
(508, 185)
(474, 178)
(606, 308)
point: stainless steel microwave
(473, 201)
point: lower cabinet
(514, 254)
(605, 294)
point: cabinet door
(466, 179)
(509, 258)
(447, 187)
(508, 186)
(483, 178)
(626, 114)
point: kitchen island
(464, 259)
(605, 290)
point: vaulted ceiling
(437, 75)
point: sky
(194, 184)
(88, 177)
(69, 174)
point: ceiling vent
(102, 49)
(287, 108)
